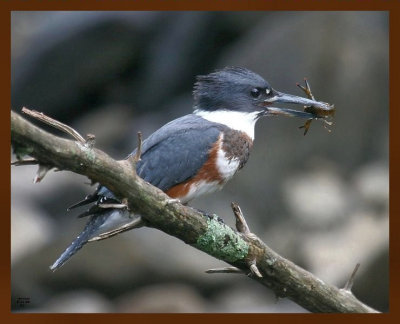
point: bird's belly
(226, 169)
(199, 188)
(210, 178)
(209, 184)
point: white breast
(226, 167)
(238, 120)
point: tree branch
(202, 231)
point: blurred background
(320, 200)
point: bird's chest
(228, 155)
(233, 153)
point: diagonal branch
(202, 231)
(54, 123)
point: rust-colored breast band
(208, 173)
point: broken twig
(54, 123)
(25, 162)
(350, 282)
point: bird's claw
(171, 201)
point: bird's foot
(171, 201)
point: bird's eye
(268, 91)
(255, 93)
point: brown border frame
(393, 6)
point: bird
(195, 154)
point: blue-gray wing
(175, 152)
(171, 155)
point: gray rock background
(320, 200)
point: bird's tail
(101, 225)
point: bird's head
(241, 90)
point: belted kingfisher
(197, 153)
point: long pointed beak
(280, 97)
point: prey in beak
(321, 113)
(313, 110)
